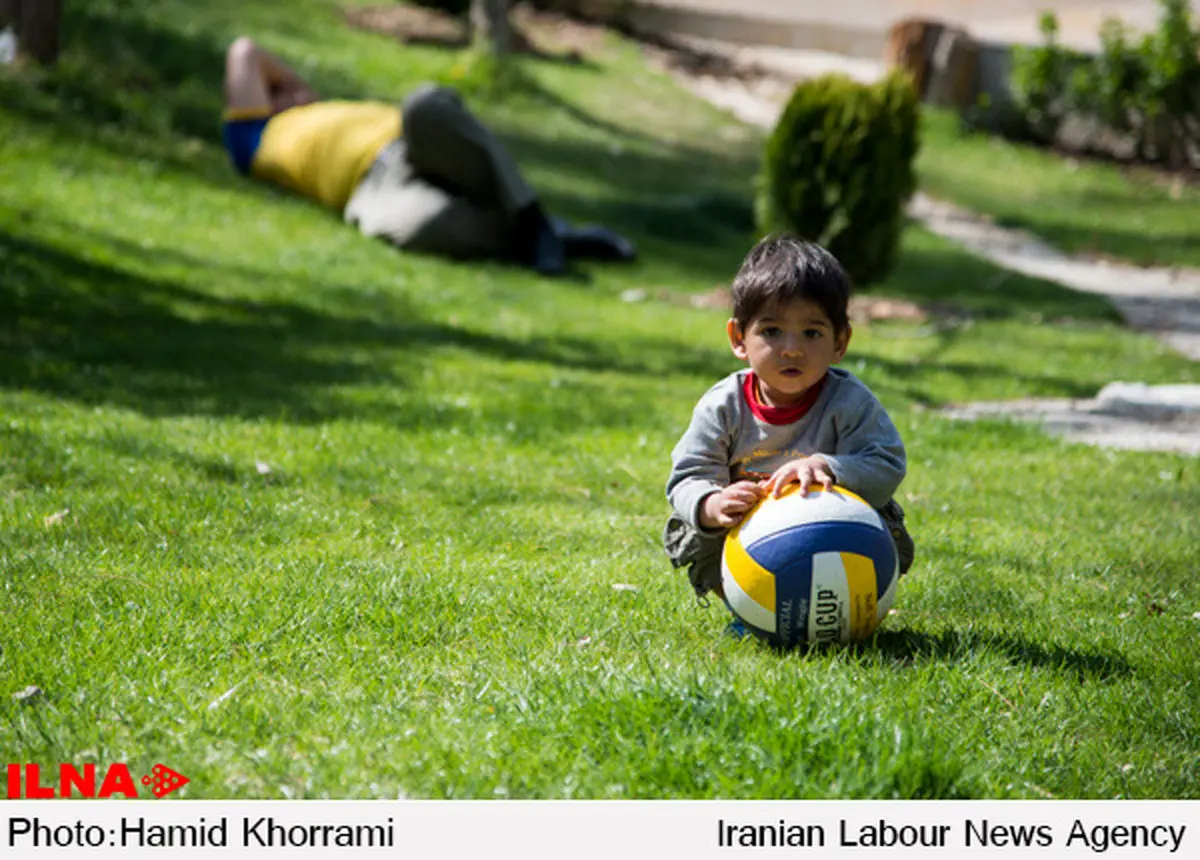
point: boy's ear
(737, 338)
(842, 343)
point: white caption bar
(606, 830)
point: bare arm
(257, 80)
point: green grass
(416, 592)
(1083, 206)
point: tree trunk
(490, 29)
(36, 23)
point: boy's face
(789, 348)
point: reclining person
(425, 174)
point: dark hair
(782, 269)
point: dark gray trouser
(701, 553)
(447, 186)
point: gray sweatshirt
(726, 442)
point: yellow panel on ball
(860, 577)
(749, 587)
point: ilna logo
(72, 782)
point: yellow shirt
(323, 149)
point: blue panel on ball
(792, 592)
(788, 553)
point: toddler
(790, 417)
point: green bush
(1163, 109)
(1041, 81)
(1147, 87)
(1107, 88)
(838, 169)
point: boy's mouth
(791, 372)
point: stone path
(1164, 301)
(1123, 415)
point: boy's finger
(786, 477)
(739, 504)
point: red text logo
(32, 783)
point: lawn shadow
(909, 647)
(89, 331)
(92, 332)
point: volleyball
(815, 568)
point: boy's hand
(725, 509)
(806, 472)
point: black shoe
(549, 255)
(538, 244)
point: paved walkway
(1160, 300)
(1123, 415)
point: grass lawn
(1080, 206)
(303, 516)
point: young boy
(790, 418)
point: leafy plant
(1106, 88)
(1148, 88)
(1040, 79)
(1170, 95)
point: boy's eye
(813, 333)
(771, 331)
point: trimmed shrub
(838, 169)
